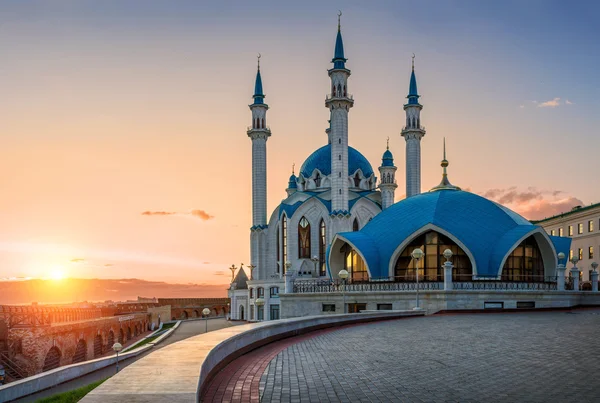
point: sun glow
(57, 273)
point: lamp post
(315, 260)
(343, 274)
(117, 347)
(260, 302)
(575, 273)
(417, 254)
(448, 285)
(560, 272)
(206, 312)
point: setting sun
(57, 273)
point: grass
(168, 325)
(146, 340)
(71, 396)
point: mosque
(338, 243)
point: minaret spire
(387, 172)
(259, 133)
(413, 132)
(339, 20)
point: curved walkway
(516, 357)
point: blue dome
(292, 182)
(487, 230)
(388, 159)
(321, 160)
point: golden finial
(445, 183)
(339, 18)
(444, 161)
(258, 60)
(387, 147)
(413, 62)
(293, 168)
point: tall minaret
(412, 133)
(387, 172)
(259, 132)
(339, 103)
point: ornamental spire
(338, 56)
(413, 94)
(258, 90)
(445, 183)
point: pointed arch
(303, 238)
(355, 224)
(322, 247)
(356, 179)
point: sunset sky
(110, 109)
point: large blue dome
(321, 160)
(487, 230)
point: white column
(594, 279)
(575, 276)
(448, 285)
(560, 277)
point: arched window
(277, 241)
(322, 248)
(354, 264)
(318, 179)
(80, 352)
(262, 123)
(355, 225)
(524, 263)
(339, 89)
(251, 292)
(283, 242)
(52, 359)
(345, 91)
(357, 180)
(333, 90)
(433, 245)
(260, 292)
(303, 239)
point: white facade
(582, 224)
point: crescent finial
(258, 60)
(413, 61)
(339, 16)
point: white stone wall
(339, 158)
(387, 185)
(413, 164)
(259, 181)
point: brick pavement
(521, 357)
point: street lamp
(561, 257)
(343, 274)
(417, 254)
(117, 347)
(315, 260)
(260, 302)
(206, 312)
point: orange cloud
(158, 213)
(201, 214)
(532, 203)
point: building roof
(574, 210)
(240, 280)
(487, 230)
(338, 57)
(388, 159)
(413, 94)
(321, 160)
(293, 202)
(258, 90)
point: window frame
(274, 292)
(328, 308)
(304, 238)
(580, 228)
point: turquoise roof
(258, 90)
(388, 159)
(321, 160)
(413, 95)
(486, 229)
(292, 182)
(338, 56)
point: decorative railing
(266, 128)
(460, 282)
(419, 127)
(335, 96)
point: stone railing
(317, 286)
(504, 286)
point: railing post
(575, 277)
(448, 285)
(289, 282)
(594, 278)
(560, 277)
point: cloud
(108, 265)
(522, 106)
(201, 214)
(568, 102)
(77, 260)
(533, 203)
(219, 273)
(550, 104)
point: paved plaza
(504, 357)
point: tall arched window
(524, 263)
(303, 239)
(262, 123)
(277, 241)
(318, 179)
(433, 245)
(355, 225)
(283, 242)
(354, 264)
(322, 248)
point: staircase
(13, 371)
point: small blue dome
(292, 182)
(388, 159)
(321, 160)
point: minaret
(339, 103)
(412, 133)
(259, 132)
(387, 172)
(292, 183)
